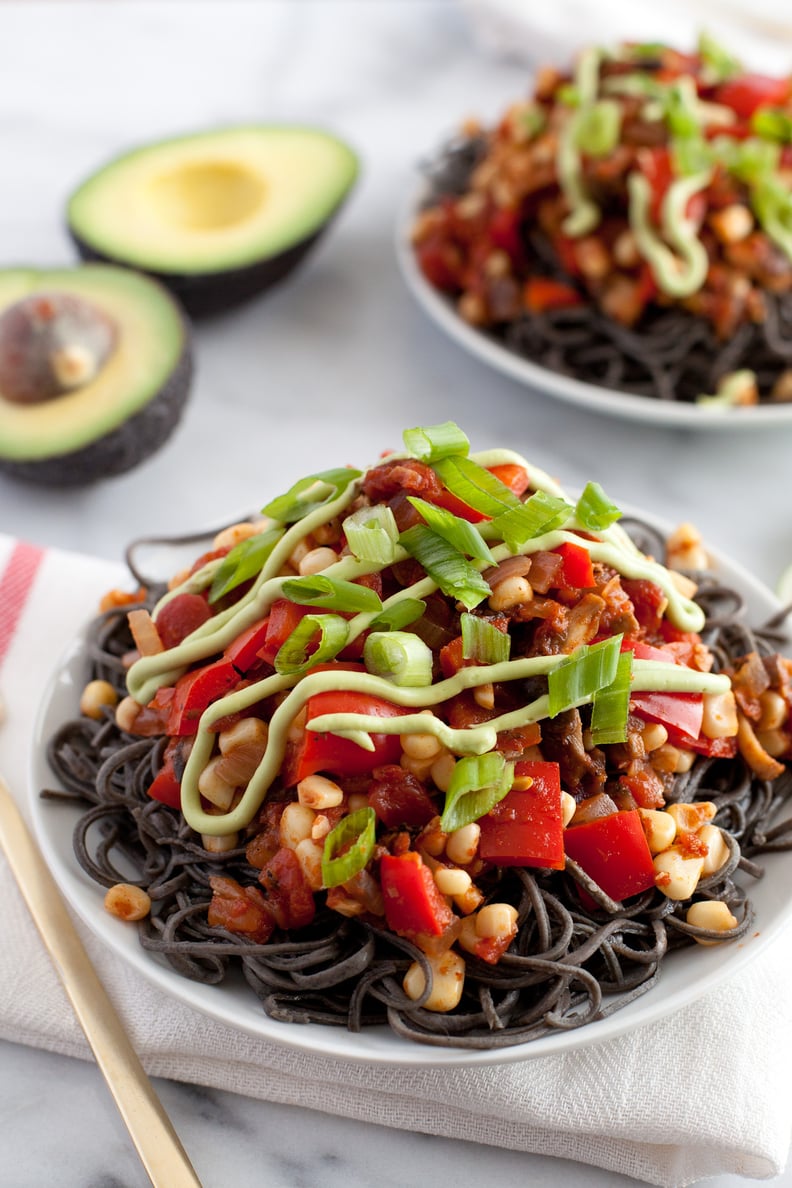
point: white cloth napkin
(759, 31)
(704, 1092)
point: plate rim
(372, 1045)
(546, 383)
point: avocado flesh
(128, 409)
(217, 216)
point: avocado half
(217, 216)
(126, 405)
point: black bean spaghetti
(567, 966)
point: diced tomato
(566, 250)
(340, 756)
(239, 909)
(492, 948)
(504, 231)
(656, 166)
(526, 828)
(577, 570)
(613, 851)
(683, 711)
(180, 616)
(717, 748)
(451, 657)
(288, 893)
(644, 651)
(749, 92)
(441, 262)
(541, 294)
(283, 618)
(512, 476)
(243, 652)
(197, 690)
(457, 507)
(153, 718)
(399, 798)
(649, 601)
(166, 785)
(413, 903)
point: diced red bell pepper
(747, 93)
(683, 711)
(284, 616)
(399, 798)
(413, 903)
(288, 894)
(504, 230)
(649, 601)
(577, 570)
(512, 476)
(541, 294)
(613, 851)
(526, 828)
(195, 691)
(166, 786)
(340, 756)
(244, 651)
(717, 748)
(644, 651)
(239, 909)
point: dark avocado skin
(125, 447)
(211, 293)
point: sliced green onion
(332, 594)
(540, 514)
(772, 201)
(719, 64)
(773, 123)
(751, 160)
(372, 534)
(583, 673)
(478, 783)
(594, 510)
(348, 847)
(483, 641)
(310, 493)
(691, 154)
(431, 442)
(292, 658)
(598, 127)
(445, 565)
(568, 94)
(460, 533)
(243, 562)
(611, 705)
(533, 119)
(736, 388)
(637, 85)
(475, 486)
(399, 657)
(682, 112)
(399, 614)
(647, 49)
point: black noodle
(566, 966)
(671, 354)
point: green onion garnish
(292, 658)
(399, 657)
(372, 534)
(597, 128)
(539, 514)
(773, 123)
(446, 566)
(331, 594)
(594, 511)
(475, 486)
(482, 641)
(478, 783)
(399, 614)
(432, 442)
(348, 847)
(750, 160)
(460, 533)
(611, 705)
(772, 202)
(310, 493)
(243, 562)
(588, 669)
(719, 64)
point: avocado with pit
(217, 216)
(95, 371)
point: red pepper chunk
(683, 711)
(413, 903)
(614, 852)
(284, 616)
(195, 691)
(340, 756)
(541, 294)
(749, 92)
(239, 909)
(576, 570)
(526, 828)
(288, 894)
(166, 785)
(243, 652)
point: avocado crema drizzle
(675, 253)
(613, 547)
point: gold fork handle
(150, 1128)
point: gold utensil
(152, 1133)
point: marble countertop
(327, 368)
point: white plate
(686, 975)
(630, 406)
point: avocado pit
(52, 343)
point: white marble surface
(328, 368)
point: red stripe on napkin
(16, 582)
